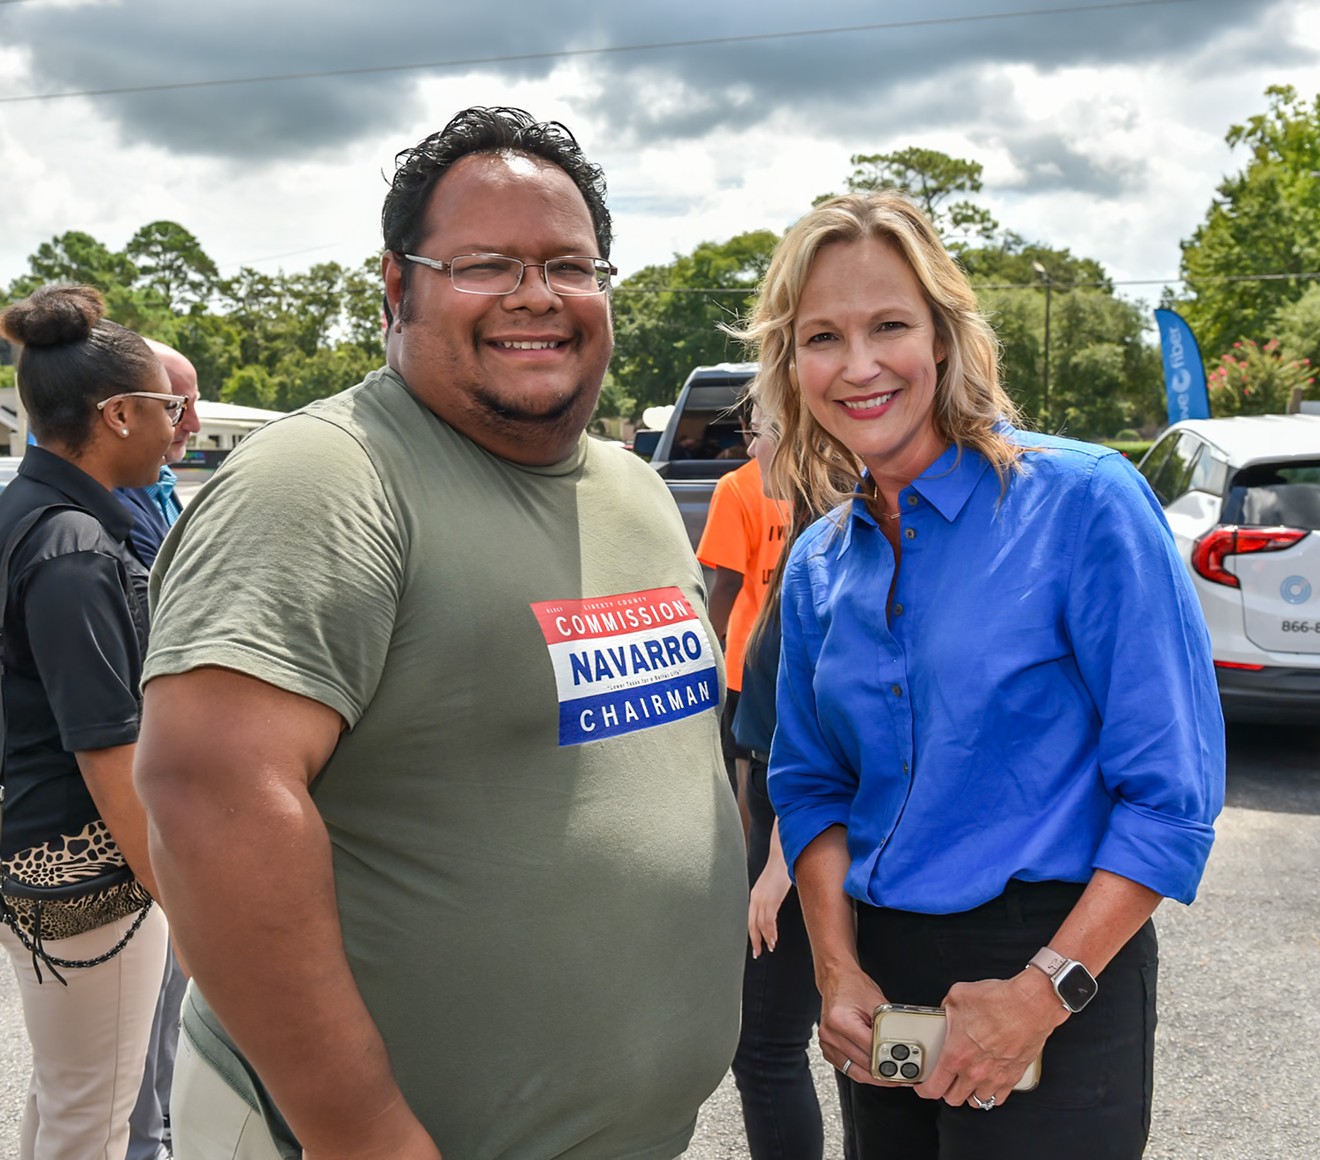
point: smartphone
(906, 1042)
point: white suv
(1242, 497)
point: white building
(223, 426)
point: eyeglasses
(176, 406)
(497, 274)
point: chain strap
(40, 954)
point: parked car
(1242, 496)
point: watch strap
(1049, 961)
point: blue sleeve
(1143, 651)
(809, 786)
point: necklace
(873, 497)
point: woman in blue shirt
(999, 742)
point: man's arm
(243, 862)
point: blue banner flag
(1184, 373)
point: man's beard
(513, 416)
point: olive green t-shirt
(538, 860)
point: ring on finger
(983, 1105)
(847, 1063)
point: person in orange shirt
(742, 540)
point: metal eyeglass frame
(604, 270)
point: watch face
(1076, 987)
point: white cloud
(1102, 134)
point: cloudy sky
(1100, 125)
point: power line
(512, 58)
(745, 291)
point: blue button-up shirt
(155, 510)
(1039, 702)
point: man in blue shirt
(155, 508)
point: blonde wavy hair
(969, 400)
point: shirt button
(912, 501)
(898, 610)
(897, 690)
(905, 767)
(910, 533)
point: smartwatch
(1072, 982)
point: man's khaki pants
(209, 1120)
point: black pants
(1094, 1098)
(781, 1007)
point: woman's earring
(123, 430)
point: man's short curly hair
(485, 130)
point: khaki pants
(89, 1039)
(209, 1120)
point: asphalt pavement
(1237, 1070)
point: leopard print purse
(71, 884)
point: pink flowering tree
(1254, 379)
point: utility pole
(1044, 276)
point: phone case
(906, 1043)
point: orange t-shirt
(744, 532)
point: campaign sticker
(627, 662)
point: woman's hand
(768, 894)
(847, 1006)
(996, 1027)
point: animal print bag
(72, 884)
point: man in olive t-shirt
(458, 870)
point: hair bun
(54, 316)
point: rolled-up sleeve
(1143, 651)
(809, 785)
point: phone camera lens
(910, 1071)
(889, 1069)
(900, 1051)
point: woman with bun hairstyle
(75, 628)
(998, 741)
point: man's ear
(391, 269)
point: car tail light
(1238, 665)
(1210, 550)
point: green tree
(930, 178)
(1297, 326)
(362, 310)
(251, 386)
(171, 263)
(667, 318)
(1264, 220)
(76, 256)
(300, 378)
(1103, 375)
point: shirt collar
(947, 484)
(78, 487)
(163, 488)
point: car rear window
(1265, 495)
